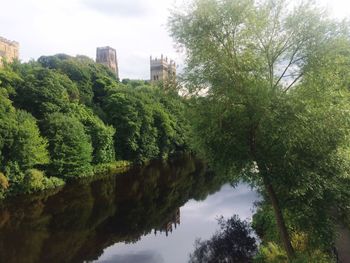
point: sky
(135, 28)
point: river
(152, 214)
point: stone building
(108, 57)
(162, 69)
(9, 50)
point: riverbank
(37, 182)
(114, 167)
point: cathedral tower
(108, 57)
(162, 69)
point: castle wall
(9, 50)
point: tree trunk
(279, 219)
(281, 225)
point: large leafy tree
(21, 145)
(149, 123)
(269, 112)
(136, 137)
(69, 146)
(43, 91)
(83, 71)
(101, 135)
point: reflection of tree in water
(233, 243)
(82, 219)
(168, 226)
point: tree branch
(294, 81)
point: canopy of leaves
(21, 145)
(273, 102)
(69, 146)
(149, 123)
(101, 134)
(81, 70)
(85, 116)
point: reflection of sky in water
(198, 220)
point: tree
(149, 123)
(43, 91)
(69, 146)
(71, 99)
(29, 147)
(101, 135)
(83, 71)
(21, 145)
(262, 116)
(132, 117)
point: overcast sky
(135, 28)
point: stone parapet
(9, 50)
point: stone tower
(9, 50)
(108, 57)
(162, 69)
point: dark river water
(149, 214)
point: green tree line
(61, 117)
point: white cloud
(119, 8)
(135, 28)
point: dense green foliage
(69, 146)
(21, 147)
(274, 109)
(61, 116)
(271, 250)
(149, 124)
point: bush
(33, 180)
(4, 185)
(113, 167)
(53, 182)
(15, 175)
(273, 253)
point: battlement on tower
(162, 69)
(9, 42)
